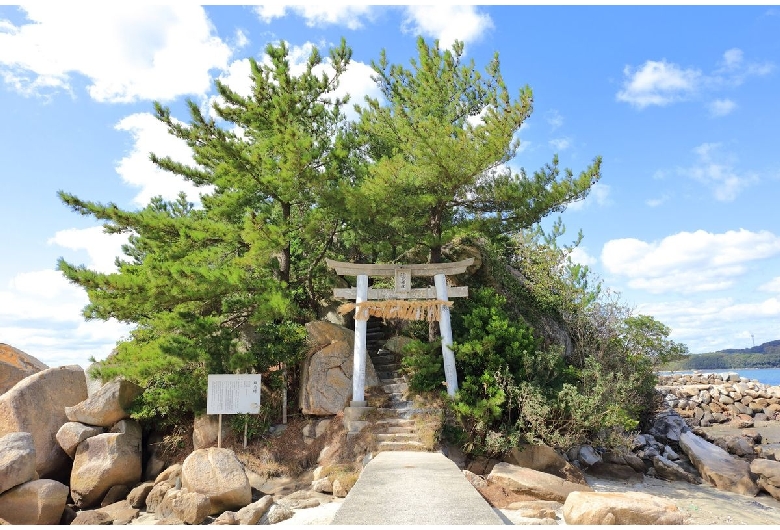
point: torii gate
(437, 307)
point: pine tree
(440, 143)
(204, 284)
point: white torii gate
(438, 310)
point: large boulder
(106, 406)
(73, 433)
(397, 343)
(326, 382)
(669, 470)
(716, 466)
(320, 333)
(597, 508)
(15, 365)
(768, 472)
(545, 459)
(120, 512)
(106, 460)
(189, 507)
(252, 513)
(534, 483)
(37, 405)
(618, 466)
(205, 430)
(35, 502)
(219, 475)
(17, 460)
(668, 426)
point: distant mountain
(767, 347)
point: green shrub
(423, 364)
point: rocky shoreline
(70, 454)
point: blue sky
(681, 103)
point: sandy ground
(322, 514)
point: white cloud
(241, 39)
(150, 135)
(42, 295)
(772, 285)
(320, 15)
(688, 261)
(599, 195)
(654, 203)
(580, 255)
(732, 58)
(61, 344)
(447, 23)
(715, 169)
(357, 82)
(268, 12)
(560, 144)
(734, 69)
(238, 77)
(102, 248)
(40, 313)
(662, 82)
(722, 107)
(693, 321)
(657, 83)
(554, 119)
(128, 52)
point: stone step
(397, 437)
(392, 380)
(397, 398)
(385, 366)
(396, 388)
(401, 446)
(395, 422)
(401, 430)
(385, 375)
(384, 359)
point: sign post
(232, 394)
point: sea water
(768, 376)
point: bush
(519, 385)
(423, 364)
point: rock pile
(705, 399)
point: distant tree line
(725, 359)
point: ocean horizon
(767, 376)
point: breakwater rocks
(707, 399)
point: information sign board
(233, 394)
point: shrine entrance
(404, 302)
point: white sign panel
(233, 394)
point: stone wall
(705, 399)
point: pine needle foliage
(440, 140)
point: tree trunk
(435, 257)
(284, 261)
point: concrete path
(417, 488)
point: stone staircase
(396, 429)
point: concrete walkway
(414, 488)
